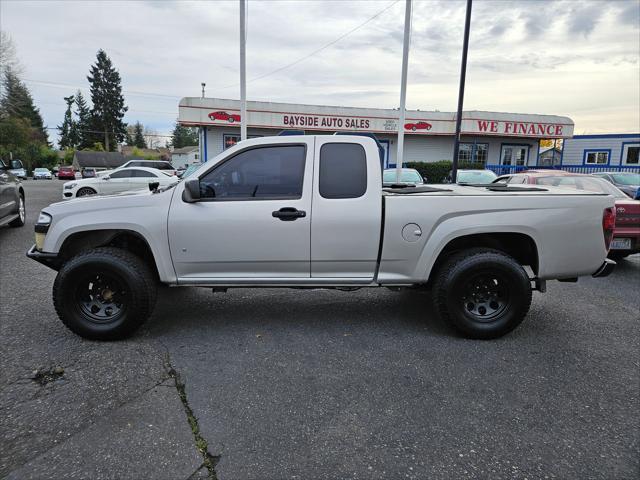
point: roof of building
(184, 150)
(226, 113)
(99, 159)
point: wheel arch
(128, 240)
(520, 246)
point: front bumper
(51, 260)
(605, 269)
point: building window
(230, 140)
(473, 152)
(596, 157)
(631, 154)
(514, 155)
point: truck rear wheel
(483, 293)
(104, 294)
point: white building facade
(508, 139)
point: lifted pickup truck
(311, 212)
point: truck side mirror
(191, 193)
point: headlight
(41, 227)
(69, 186)
(44, 219)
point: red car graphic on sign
(417, 126)
(229, 117)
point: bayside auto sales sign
(218, 112)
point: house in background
(603, 151)
(185, 156)
(98, 160)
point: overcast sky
(574, 58)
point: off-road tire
(136, 287)
(22, 213)
(454, 290)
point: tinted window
(343, 170)
(267, 172)
(143, 174)
(121, 174)
(163, 166)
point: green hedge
(436, 172)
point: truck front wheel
(104, 294)
(483, 293)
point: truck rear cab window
(343, 170)
(258, 174)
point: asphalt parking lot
(272, 384)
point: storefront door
(514, 155)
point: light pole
(243, 72)
(463, 74)
(403, 88)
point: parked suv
(12, 209)
(157, 164)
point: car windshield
(406, 176)
(586, 183)
(15, 164)
(476, 176)
(190, 169)
(43, 170)
(626, 178)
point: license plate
(621, 244)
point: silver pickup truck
(311, 212)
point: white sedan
(117, 181)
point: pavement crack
(210, 461)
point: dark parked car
(12, 207)
(88, 172)
(163, 165)
(628, 182)
(66, 173)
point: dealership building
(489, 137)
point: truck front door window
(260, 173)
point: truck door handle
(288, 214)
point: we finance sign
(515, 128)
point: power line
(318, 50)
(128, 92)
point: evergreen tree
(138, 137)
(17, 102)
(83, 122)
(68, 131)
(128, 139)
(108, 102)
(184, 136)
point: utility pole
(243, 72)
(203, 85)
(403, 88)
(463, 74)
